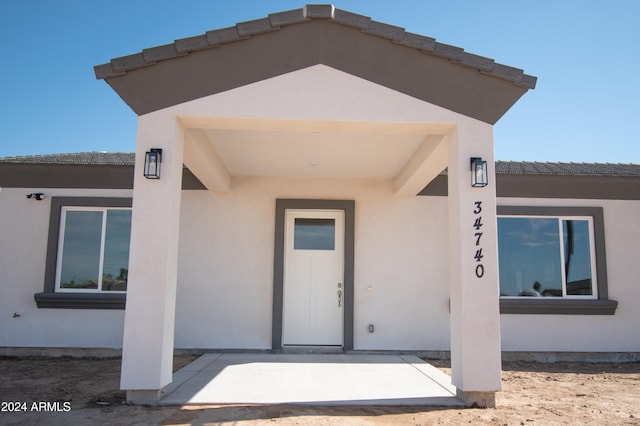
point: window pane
(116, 250)
(314, 234)
(81, 249)
(577, 257)
(529, 254)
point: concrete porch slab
(310, 379)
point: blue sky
(585, 54)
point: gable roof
(283, 42)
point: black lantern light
(152, 160)
(479, 177)
(38, 196)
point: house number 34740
(477, 224)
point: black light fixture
(38, 196)
(479, 177)
(152, 160)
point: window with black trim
(87, 253)
(552, 261)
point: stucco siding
(225, 272)
(226, 265)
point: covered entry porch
(314, 105)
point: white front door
(313, 278)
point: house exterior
(315, 192)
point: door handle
(339, 298)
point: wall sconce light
(152, 160)
(39, 196)
(479, 177)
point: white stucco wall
(24, 227)
(226, 268)
(226, 273)
(400, 271)
(226, 265)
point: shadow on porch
(310, 379)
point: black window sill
(546, 306)
(80, 300)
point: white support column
(473, 274)
(147, 354)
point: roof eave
(118, 67)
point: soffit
(314, 154)
(252, 51)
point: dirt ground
(85, 391)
